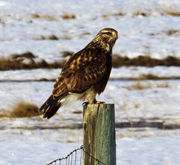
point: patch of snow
(154, 150)
(153, 99)
(138, 34)
(116, 73)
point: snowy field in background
(22, 139)
(116, 73)
(135, 100)
(130, 151)
(145, 27)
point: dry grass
(69, 16)
(144, 77)
(140, 86)
(23, 109)
(19, 61)
(155, 77)
(51, 37)
(140, 13)
(172, 12)
(119, 14)
(45, 17)
(150, 77)
(77, 111)
(147, 61)
(172, 32)
(52, 18)
(28, 60)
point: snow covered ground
(141, 100)
(145, 27)
(151, 101)
(130, 151)
(116, 73)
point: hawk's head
(106, 38)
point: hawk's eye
(108, 33)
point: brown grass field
(17, 61)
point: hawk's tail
(50, 107)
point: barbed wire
(69, 158)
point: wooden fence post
(99, 134)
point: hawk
(84, 75)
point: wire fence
(76, 158)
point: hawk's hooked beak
(114, 38)
(115, 35)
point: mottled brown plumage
(85, 74)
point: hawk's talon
(95, 102)
(99, 102)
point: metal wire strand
(92, 157)
(72, 159)
(69, 157)
(75, 157)
(81, 155)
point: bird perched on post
(84, 75)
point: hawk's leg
(98, 102)
(95, 102)
(85, 104)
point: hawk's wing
(83, 69)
